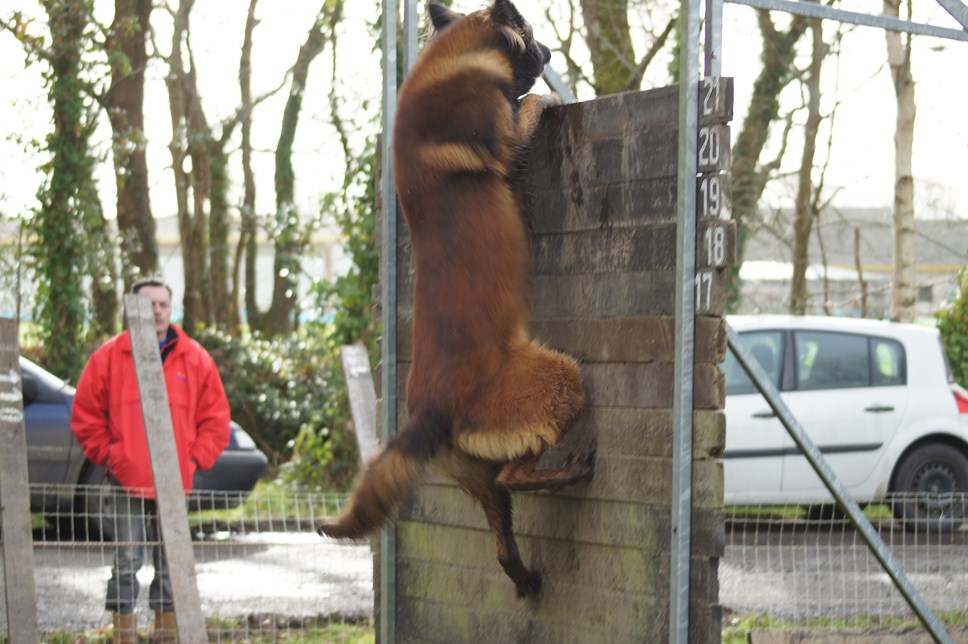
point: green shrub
(288, 394)
(953, 324)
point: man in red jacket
(108, 424)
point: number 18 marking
(715, 238)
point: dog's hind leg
(476, 477)
(497, 509)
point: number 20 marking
(708, 146)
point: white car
(878, 400)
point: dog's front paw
(550, 100)
(530, 585)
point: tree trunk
(610, 44)
(220, 296)
(805, 211)
(290, 239)
(899, 58)
(248, 226)
(190, 146)
(749, 180)
(125, 108)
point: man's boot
(125, 628)
(166, 630)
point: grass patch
(239, 630)
(268, 504)
(737, 629)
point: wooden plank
(636, 432)
(566, 612)
(600, 296)
(621, 204)
(629, 339)
(618, 339)
(16, 540)
(169, 493)
(616, 523)
(617, 294)
(643, 433)
(646, 385)
(636, 479)
(616, 250)
(362, 395)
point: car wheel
(930, 489)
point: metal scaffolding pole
(388, 301)
(682, 411)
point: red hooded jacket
(107, 419)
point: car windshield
(767, 348)
(44, 377)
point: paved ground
(292, 574)
(792, 572)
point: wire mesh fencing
(790, 566)
(263, 573)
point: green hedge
(288, 394)
(953, 324)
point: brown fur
(484, 400)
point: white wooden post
(17, 543)
(362, 394)
(169, 492)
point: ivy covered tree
(68, 244)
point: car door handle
(768, 413)
(879, 409)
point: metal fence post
(388, 302)
(685, 307)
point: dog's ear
(503, 12)
(441, 16)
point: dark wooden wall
(602, 185)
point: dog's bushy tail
(389, 478)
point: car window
(767, 348)
(888, 366)
(831, 360)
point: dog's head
(514, 36)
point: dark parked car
(55, 459)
